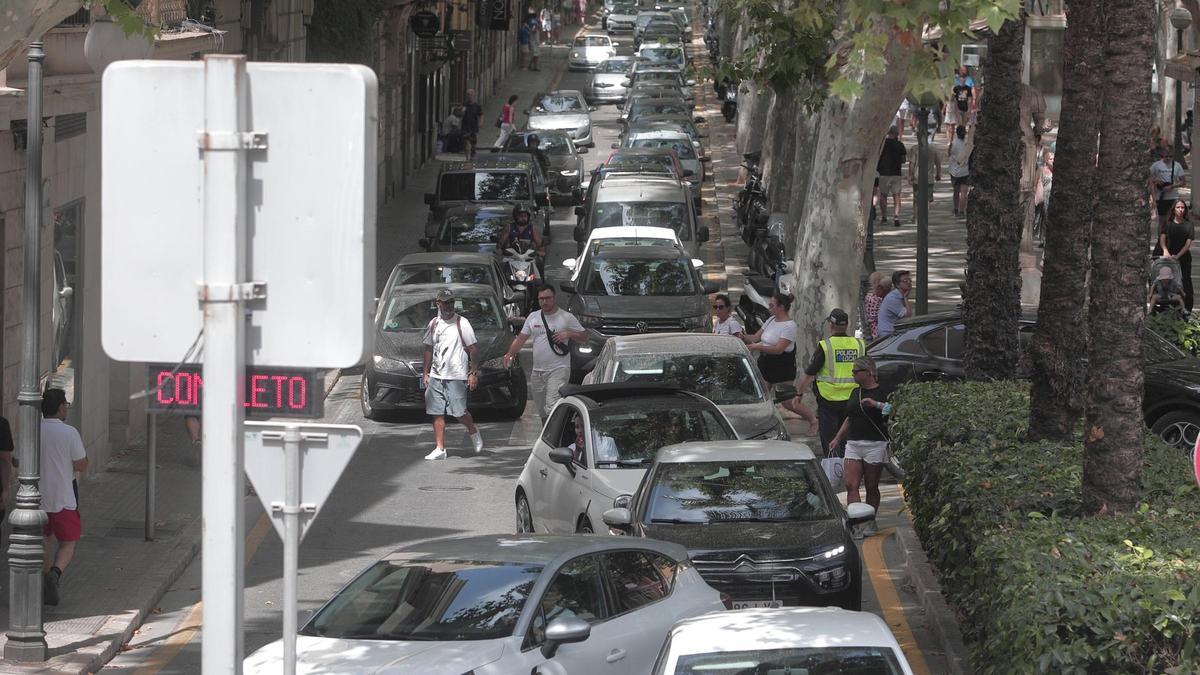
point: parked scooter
(752, 306)
(766, 247)
(520, 262)
(750, 204)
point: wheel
(364, 401)
(1178, 428)
(584, 527)
(520, 397)
(524, 515)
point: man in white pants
(552, 330)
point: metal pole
(151, 458)
(291, 542)
(222, 572)
(26, 638)
(922, 211)
(1178, 148)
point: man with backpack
(451, 363)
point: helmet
(519, 209)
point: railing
(81, 18)
(162, 13)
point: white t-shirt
(61, 445)
(449, 360)
(604, 448)
(1161, 172)
(959, 158)
(730, 326)
(773, 331)
(544, 358)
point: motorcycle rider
(522, 229)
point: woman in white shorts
(865, 432)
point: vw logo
(642, 326)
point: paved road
(389, 496)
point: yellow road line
(889, 601)
(190, 625)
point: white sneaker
(437, 453)
(477, 440)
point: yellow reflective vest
(835, 381)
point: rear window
(650, 214)
(661, 53)
(680, 108)
(611, 66)
(484, 186)
(681, 146)
(593, 41)
(554, 103)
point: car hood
(407, 345)
(552, 121)
(758, 540)
(1184, 373)
(616, 482)
(751, 419)
(362, 657)
(644, 306)
(612, 78)
(560, 162)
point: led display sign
(269, 392)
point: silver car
(590, 49)
(621, 18)
(502, 604)
(678, 141)
(718, 367)
(564, 109)
(609, 80)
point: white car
(589, 50)
(621, 18)
(610, 80)
(791, 640)
(565, 488)
(624, 235)
(664, 52)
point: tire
(524, 515)
(584, 526)
(1178, 428)
(520, 398)
(364, 401)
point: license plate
(747, 604)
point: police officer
(832, 368)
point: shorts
(1164, 206)
(871, 452)
(446, 397)
(889, 185)
(63, 525)
(952, 115)
(960, 180)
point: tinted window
(428, 600)
(751, 490)
(414, 312)
(956, 337)
(679, 108)
(652, 214)
(855, 660)
(630, 434)
(556, 104)
(592, 41)
(639, 277)
(576, 592)
(431, 273)
(635, 580)
(484, 186)
(681, 146)
(1157, 350)
(934, 342)
(640, 164)
(724, 380)
(480, 228)
(653, 76)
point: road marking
(190, 625)
(889, 601)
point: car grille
(635, 326)
(614, 24)
(792, 580)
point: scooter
(752, 306)
(766, 248)
(729, 106)
(520, 261)
(750, 204)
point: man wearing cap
(450, 370)
(62, 456)
(831, 367)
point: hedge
(1039, 588)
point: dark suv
(497, 179)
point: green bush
(1183, 331)
(1000, 519)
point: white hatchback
(624, 235)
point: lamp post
(923, 105)
(1181, 18)
(26, 637)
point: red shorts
(64, 525)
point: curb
(941, 618)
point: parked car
(759, 518)
(589, 50)
(656, 162)
(629, 199)
(495, 179)
(635, 289)
(391, 380)
(718, 367)
(564, 173)
(791, 640)
(502, 604)
(659, 31)
(608, 80)
(564, 109)
(644, 18)
(930, 348)
(685, 123)
(564, 488)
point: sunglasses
(719, 306)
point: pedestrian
(553, 330)
(7, 494)
(505, 121)
(830, 369)
(961, 94)
(775, 342)
(891, 160)
(958, 162)
(726, 323)
(881, 285)
(62, 457)
(895, 305)
(1176, 238)
(902, 115)
(568, 11)
(1166, 177)
(450, 133)
(932, 176)
(582, 12)
(865, 433)
(451, 363)
(1166, 293)
(471, 115)
(523, 45)
(535, 44)
(556, 26)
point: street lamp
(923, 104)
(1181, 18)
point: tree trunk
(1113, 429)
(805, 128)
(992, 301)
(781, 142)
(1056, 399)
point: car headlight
(520, 275)
(385, 364)
(832, 553)
(575, 55)
(588, 321)
(570, 172)
(698, 321)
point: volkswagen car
(566, 110)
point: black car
(491, 180)
(564, 169)
(391, 380)
(635, 289)
(472, 228)
(930, 348)
(759, 519)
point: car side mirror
(706, 158)
(66, 292)
(616, 44)
(581, 212)
(424, 243)
(562, 456)
(697, 263)
(691, 83)
(619, 518)
(615, 146)
(569, 263)
(430, 198)
(702, 234)
(581, 149)
(859, 513)
(626, 83)
(567, 287)
(688, 172)
(564, 630)
(711, 287)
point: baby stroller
(1164, 285)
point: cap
(838, 317)
(1165, 272)
(444, 295)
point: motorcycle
(766, 248)
(750, 204)
(729, 106)
(520, 262)
(752, 306)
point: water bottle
(887, 409)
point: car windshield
(640, 277)
(441, 273)
(651, 214)
(484, 186)
(741, 490)
(642, 164)
(681, 146)
(592, 41)
(409, 311)
(722, 379)
(551, 144)
(428, 600)
(613, 66)
(478, 228)
(661, 53)
(855, 660)
(630, 432)
(556, 103)
(624, 8)
(672, 108)
(660, 76)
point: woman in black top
(1175, 239)
(865, 433)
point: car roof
(542, 549)
(646, 231)
(782, 628)
(460, 290)
(953, 316)
(656, 133)
(617, 152)
(497, 161)
(677, 343)
(647, 102)
(594, 396)
(664, 118)
(649, 252)
(712, 451)
(447, 257)
(635, 188)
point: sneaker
(438, 453)
(477, 441)
(50, 588)
(869, 529)
(896, 222)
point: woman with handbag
(775, 342)
(865, 432)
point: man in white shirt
(552, 329)
(1166, 177)
(62, 456)
(726, 323)
(450, 370)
